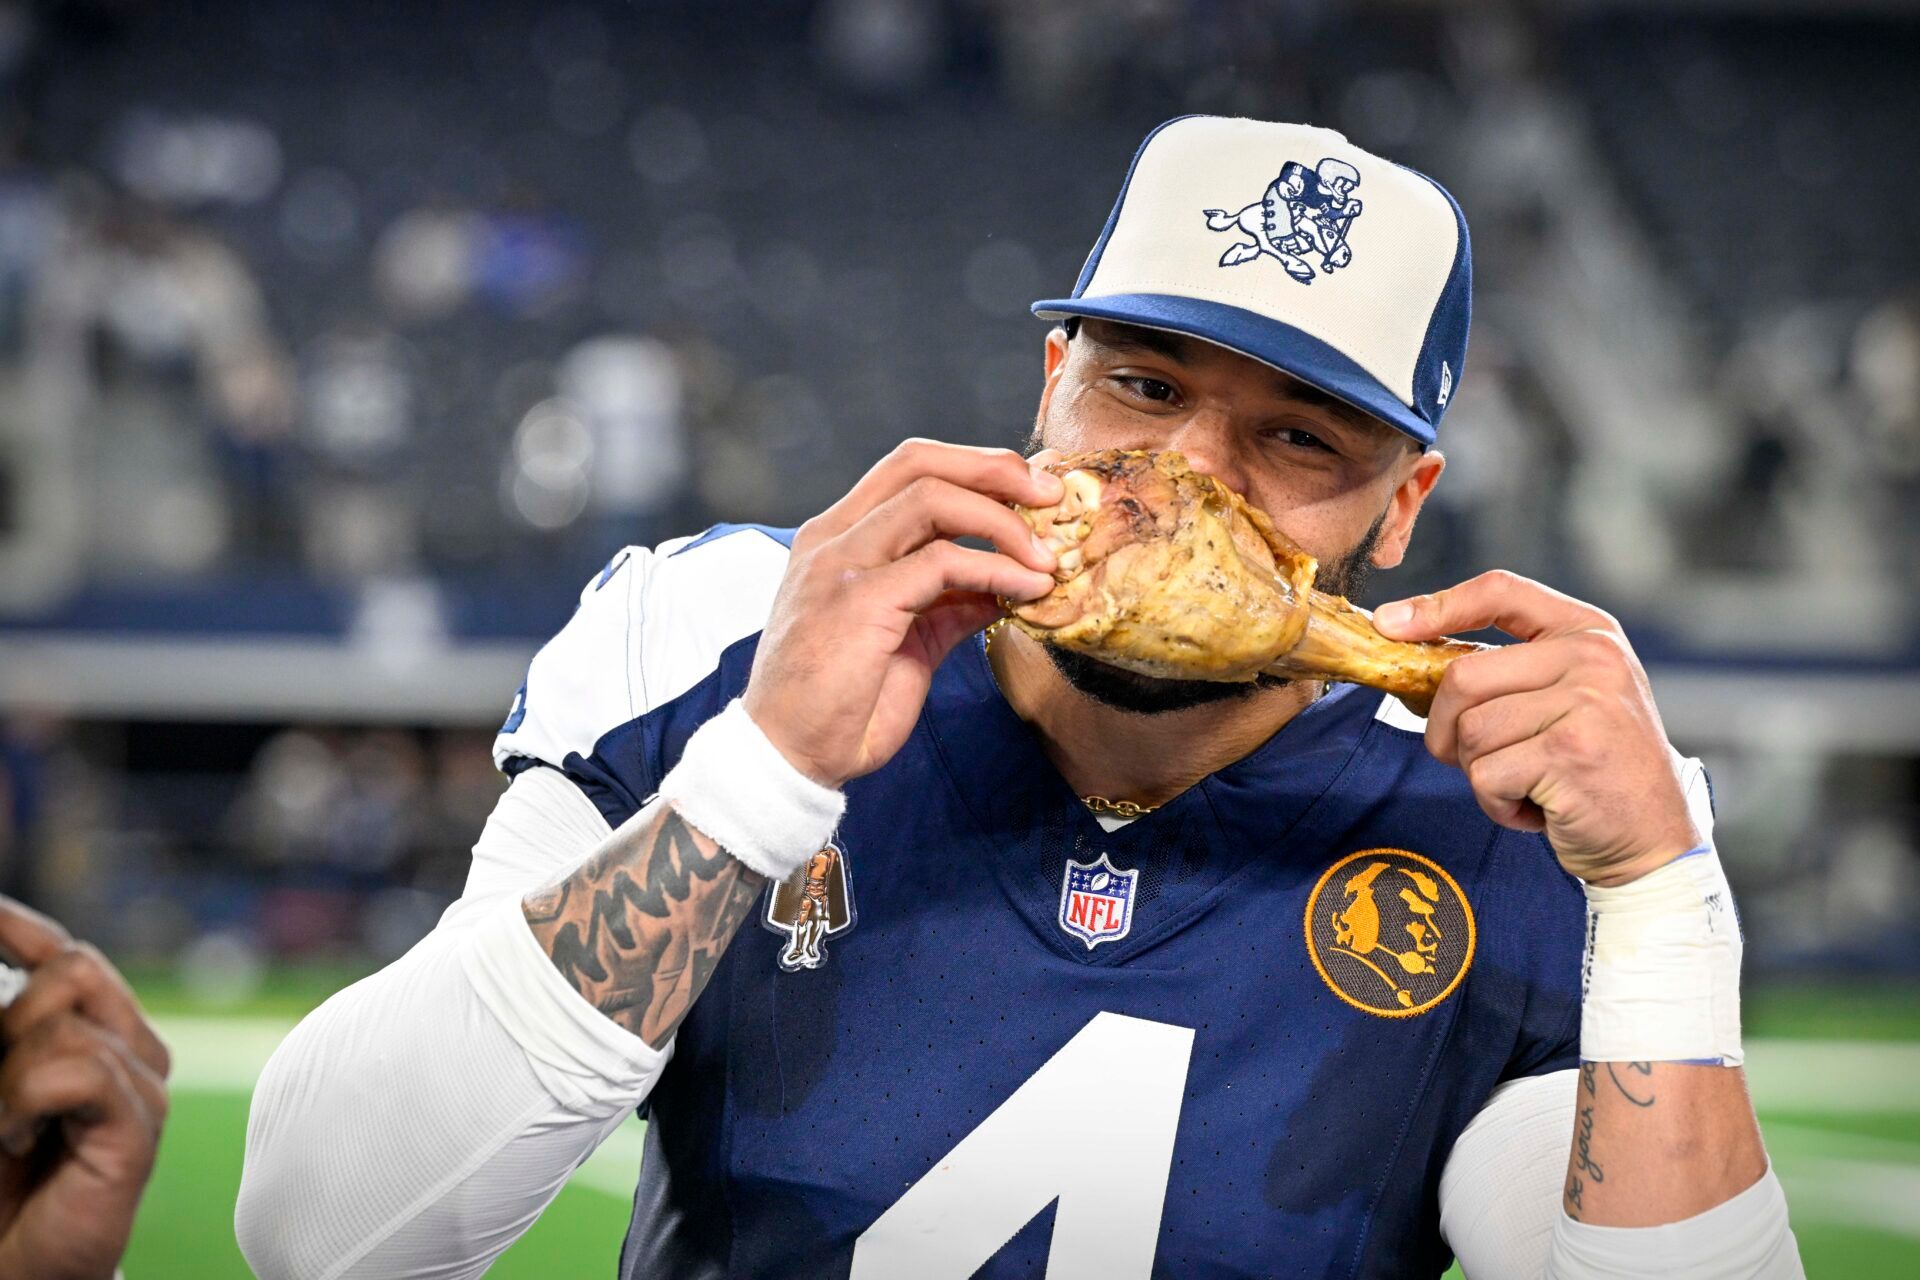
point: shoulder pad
(649, 626)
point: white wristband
(736, 788)
(1661, 978)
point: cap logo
(1446, 382)
(1300, 220)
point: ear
(1056, 359)
(1404, 507)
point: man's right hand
(877, 593)
(82, 1097)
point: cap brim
(1265, 339)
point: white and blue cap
(1289, 244)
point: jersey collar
(1259, 808)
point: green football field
(1835, 1073)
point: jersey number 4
(1093, 1128)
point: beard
(1136, 694)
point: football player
(812, 917)
(1147, 977)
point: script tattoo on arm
(1627, 1087)
(641, 925)
(1632, 1081)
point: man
(1331, 209)
(82, 1098)
(1110, 1005)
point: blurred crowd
(385, 298)
(223, 845)
(302, 297)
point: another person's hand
(1559, 734)
(82, 1098)
(877, 592)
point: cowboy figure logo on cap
(1303, 213)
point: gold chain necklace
(1095, 804)
(1118, 808)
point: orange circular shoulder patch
(1389, 931)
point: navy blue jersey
(1235, 1037)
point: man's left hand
(1559, 734)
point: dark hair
(1070, 326)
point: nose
(1206, 439)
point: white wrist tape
(736, 788)
(1661, 977)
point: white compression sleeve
(1746, 1238)
(1500, 1190)
(1500, 1207)
(420, 1120)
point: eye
(1299, 438)
(1149, 389)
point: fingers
(920, 579)
(70, 1068)
(1506, 783)
(951, 618)
(1480, 678)
(930, 508)
(1488, 727)
(1560, 734)
(29, 937)
(1518, 606)
(1000, 474)
(954, 616)
(78, 979)
(1583, 665)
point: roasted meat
(1169, 573)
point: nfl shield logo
(1096, 901)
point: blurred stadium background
(340, 343)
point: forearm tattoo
(640, 926)
(1632, 1081)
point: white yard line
(615, 1166)
(1830, 1177)
(220, 1055)
(1859, 1193)
(1833, 1075)
(1820, 1141)
(225, 1055)
(1847, 1178)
